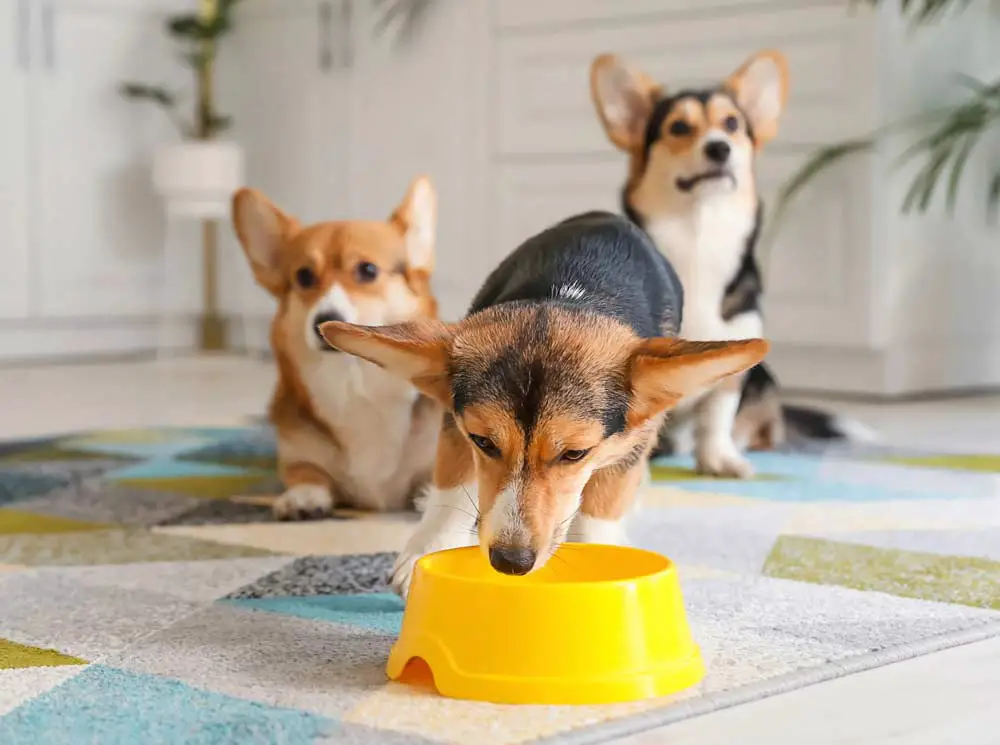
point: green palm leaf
(993, 197)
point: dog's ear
(416, 217)
(262, 230)
(417, 351)
(624, 98)
(760, 88)
(663, 371)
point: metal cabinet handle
(325, 33)
(22, 42)
(48, 33)
(345, 31)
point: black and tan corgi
(555, 386)
(691, 186)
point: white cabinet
(95, 219)
(83, 230)
(286, 72)
(284, 79)
(418, 106)
(14, 250)
(337, 119)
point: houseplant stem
(213, 328)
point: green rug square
(15, 521)
(966, 580)
(980, 463)
(14, 655)
(677, 473)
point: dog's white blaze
(504, 518)
(334, 300)
(337, 300)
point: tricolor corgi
(554, 385)
(691, 186)
(348, 432)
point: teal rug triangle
(115, 707)
(374, 611)
(166, 468)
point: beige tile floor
(948, 697)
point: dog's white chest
(705, 247)
(369, 410)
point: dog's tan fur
(347, 432)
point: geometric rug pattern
(146, 594)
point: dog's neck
(705, 238)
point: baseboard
(68, 340)
(906, 370)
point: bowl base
(679, 675)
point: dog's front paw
(722, 460)
(420, 545)
(304, 502)
(402, 573)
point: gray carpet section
(94, 500)
(323, 575)
(221, 512)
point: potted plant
(197, 175)
(196, 172)
(945, 138)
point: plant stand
(196, 181)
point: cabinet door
(97, 223)
(289, 108)
(14, 67)
(418, 106)
(288, 101)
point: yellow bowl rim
(510, 583)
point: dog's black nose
(324, 318)
(718, 151)
(516, 561)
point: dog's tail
(806, 423)
(765, 422)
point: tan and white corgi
(691, 185)
(348, 432)
(555, 385)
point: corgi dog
(691, 186)
(348, 432)
(554, 385)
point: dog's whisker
(472, 502)
(459, 509)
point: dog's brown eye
(572, 456)
(366, 271)
(305, 278)
(680, 128)
(731, 123)
(485, 444)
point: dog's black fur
(595, 263)
(611, 264)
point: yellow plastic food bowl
(596, 624)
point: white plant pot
(197, 178)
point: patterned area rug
(146, 596)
